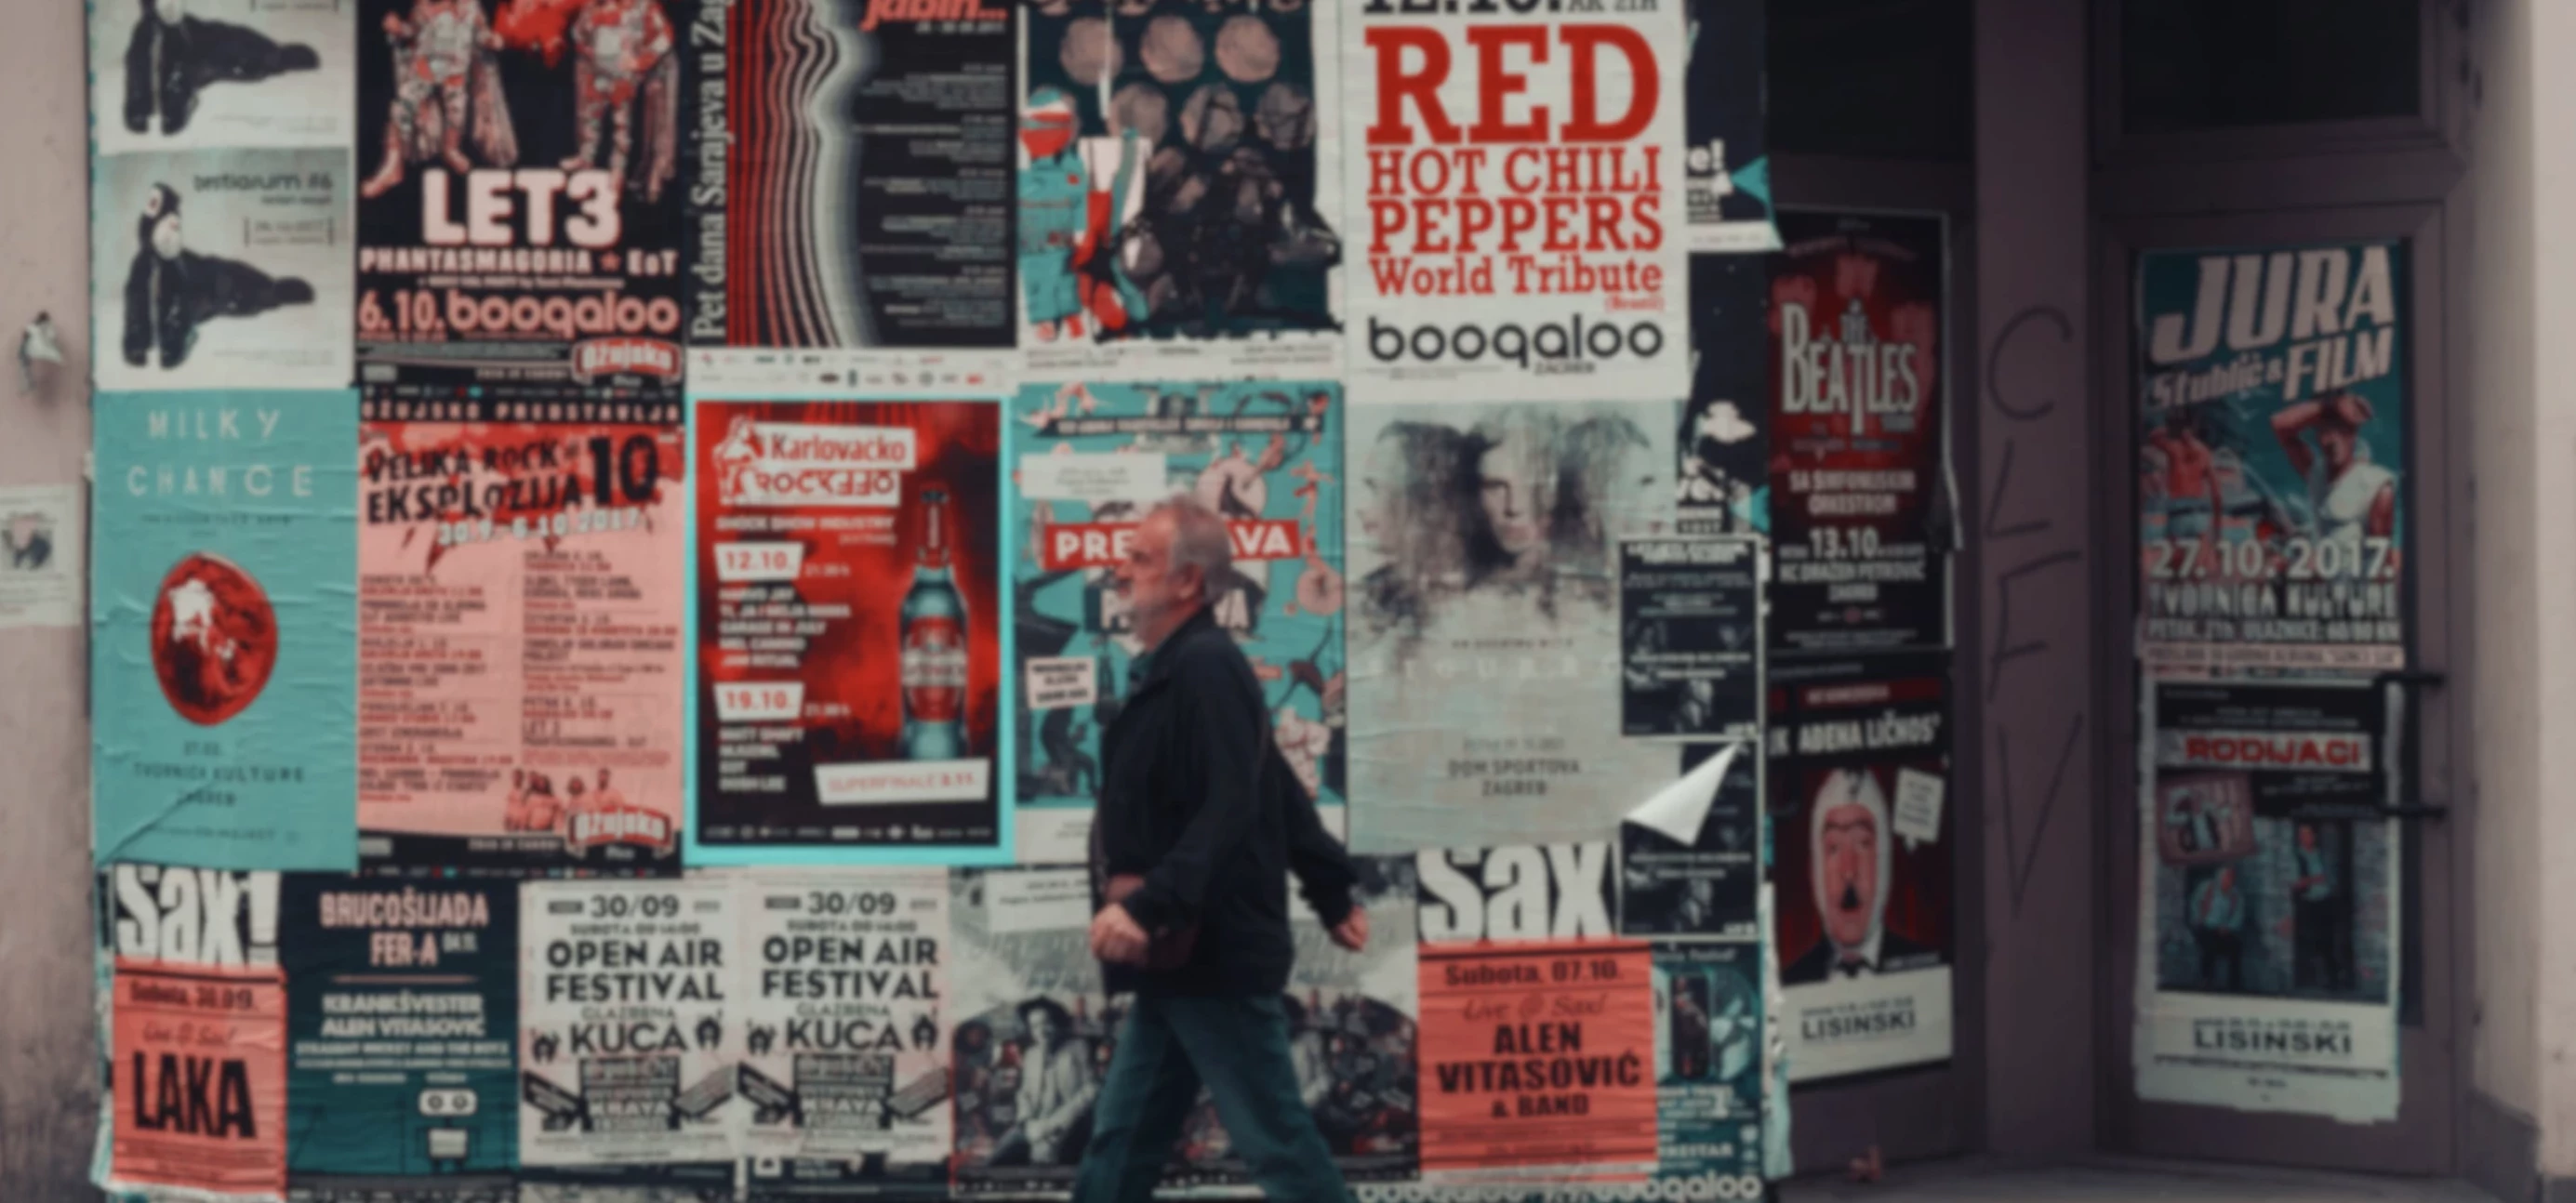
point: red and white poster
(1517, 200)
(199, 1071)
(520, 659)
(848, 627)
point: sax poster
(225, 630)
(1539, 1046)
(2269, 948)
(1180, 189)
(1708, 1065)
(520, 648)
(1725, 484)
(190, 74)
(845, 1056)
(1861, 839)
(1087, 461)
(1522, 179)
(629, 1033)
(520, 214)
(2271, 461)
(196, 1031)
(1029, 1040)
(1487, 666)
(1858, 449)
(402, 1016)
(848, 629)
(855, 191)
(221, 269)
(1729, 169)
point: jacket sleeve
(1322, 866)
(1220, 722)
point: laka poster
(224, 630)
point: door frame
(2432, 1078)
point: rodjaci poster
(1028, 1041)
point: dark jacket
(1182, 804)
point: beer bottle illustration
(933, 626)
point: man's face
(165, 237)
(2307, 839)
(1381, 493)
(1513, 485)
(1042, 1027)
(1847, 873)
(1147, 579)
(2337, 440)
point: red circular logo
(214, 639)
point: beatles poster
(2268, 943)
(221, 269)
(1725, 485)
(192, 74)
(1690, 858)
(844, 1049)
(1858, 449)
(854, 191)
(630, 1029)
(520, 214)
(196, 1032)
(1180, 183)
(1690, 634)
(402, 1017)
(224, 630)
(1487, 678)
(2272, 418)
(1539, 1047)
(1087, 462)
(1861, 837)
(1728, 163)
(520, 651)
(1521, 174)
(1708, 1065)
(847, 628)
(1030, 1040)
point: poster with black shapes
(1690, 646)
(1690, 858)
(1725, 483)
(402, 1009)
(521, 220)
(630, 1038)
(1727, 169)
(187, 74)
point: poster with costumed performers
(1087, 461)
(520, 655)
(521, 216)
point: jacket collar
(1158, 663)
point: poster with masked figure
(1087, 461)
(1180, 180)
(191, 74)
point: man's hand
(1116, 938)
(1353, 932)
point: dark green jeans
(1238, 1047)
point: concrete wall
(47, 1060)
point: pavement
(2125, 1181)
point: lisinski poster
(1029, 1043)
(1520, 172)
(521, 213)
(402, 1011)
(848, 627)
(2268, 947)
(1857, 440)
(2271, 461)
(845, 1048)
(521, 649)
(1179, 188)
(197, 1037)
(855, 193)
(183, 75)
(629, 1037)
(225, 629)
(1487, 680)
(1861, 835)
(1087, 461)
(1728, 161)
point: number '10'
(636, 465)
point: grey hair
(1199, 537)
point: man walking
(1199, 825)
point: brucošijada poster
(1180, 189)
(1029, 1044)
(848, 630)
(845, 1054)
(1728, 162)
(2268, 940)
(402, 1016)
(520, 215)
(854, 193)
(224, 630)
(1861, 837)
(1857, 435)
(196, 1032)
(1517, 190)
(1486, 678)
(2272, 417)
(1087, 461)
(521, 646)
(630, 1034)
(191, 74)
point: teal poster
(224, 629)
(1087, 462)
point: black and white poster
(1690, 858)
(199, 74)
(1029, 1043)
(1725, 482)
(1690, 638)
